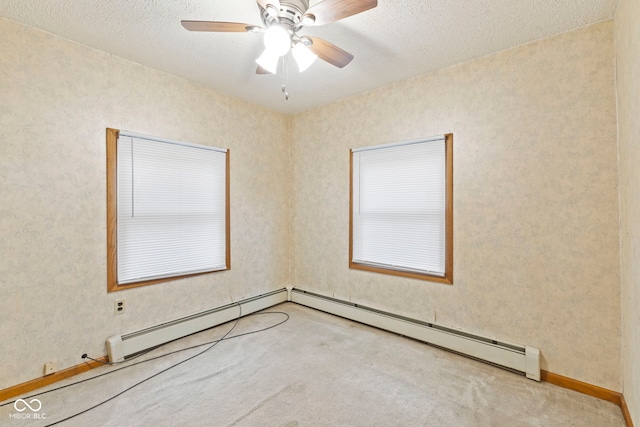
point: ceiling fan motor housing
(290, 13)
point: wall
(535, 199)
(57, 99)
(535, 209)
(628, 78)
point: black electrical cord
(156, 357)
(212, 344)
(154, 375)
(85, 356)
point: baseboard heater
(525, 360)
(121, 346)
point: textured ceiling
(396, 40)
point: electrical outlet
(118, 307)
(49, 368)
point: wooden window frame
(448, 273)
(112, 222)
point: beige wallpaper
(628, 77)
(535, 199)
(57, 99)
(535, 209)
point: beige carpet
(315, 369)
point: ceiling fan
(282, 20)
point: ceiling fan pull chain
(286, 78)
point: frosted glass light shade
(303, 56)
(269, 61)
(277, 40)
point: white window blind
(399, 201)
(171, 218)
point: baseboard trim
(625, 411)
(546, 376)
(37, 383)
(582, 387)
(590, 390)
(201, 321)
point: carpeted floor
(315, 369)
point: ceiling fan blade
(265, 3)
(220, 27)
(261, 70)
(333, 10)
(330, 52)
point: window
(401, 212)
(167, 210)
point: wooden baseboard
(591, 390)
(37, 383)
(625, 411)
(582, 387)
(550, 377)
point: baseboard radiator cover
(523, 359)
(121, 346)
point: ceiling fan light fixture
(277, 40)
(303, 55)
(282, 20)
(269, 61)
